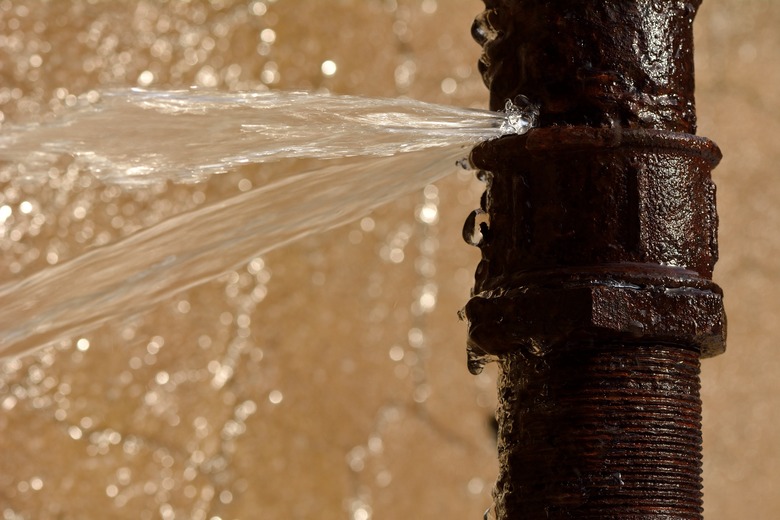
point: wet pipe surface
(594, 291)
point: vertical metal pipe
(595, 291)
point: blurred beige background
(315, 382)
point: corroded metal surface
(598, 231)
(598, 240)
(627, 63)
(600, 431)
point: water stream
(134, 138)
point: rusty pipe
(595, 292)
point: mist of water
(137, 137)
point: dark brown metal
(626, 63)
(594, 291)
(600, 431)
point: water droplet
(476, 485)
(483, 176)
(383, 478)
(328, 67)
(356, 458)
(145, 78)
(428, 213)
(421, 393)
(449, 86)
(268, 35)
(416, 337)
(521, 116)
(396, 353)
(482, 30)
(275, 397)
(9, 402)
(476, 227)
(258, 8)
(375, 444)
(429, 6)
(477, 359)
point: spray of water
(129, 275)
(136, 137)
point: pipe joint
(638, 272)
(650, 191)
(535, 317)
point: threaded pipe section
(590, 431)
